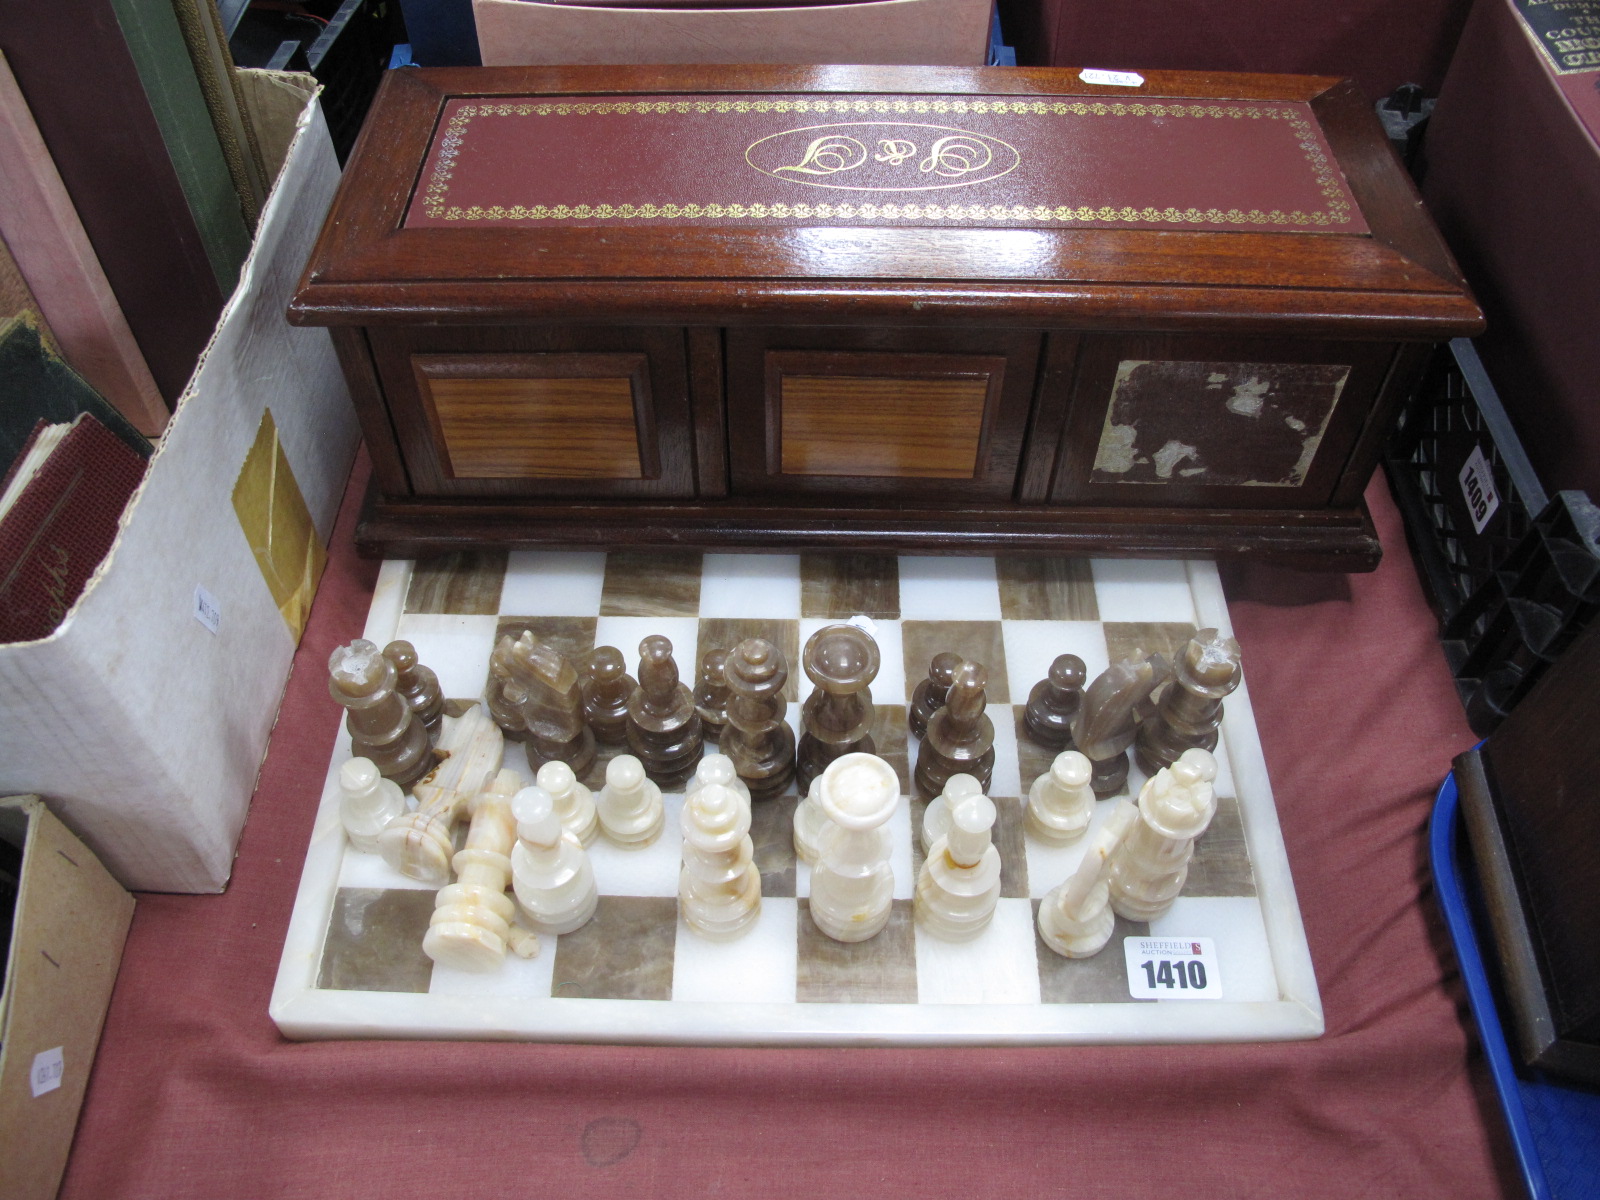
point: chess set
(354, 962)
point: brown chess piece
(1190, 710)
(960, 737)
(606, 688)
(553, 709)
(663, 727)
(757, 738)
(836, 718)
(928, 698)
(382, 726)
(1054, 701)
(419, 685)
(504, 694)
(1107, 720)
(711, 694)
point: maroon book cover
(61, 525)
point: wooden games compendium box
(925, 310)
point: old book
(59, 514)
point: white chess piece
(471, 929)
(1060, 802)
(1075, 918)
(809, 823)
(629, 806)
(574, 802)
(936, 817)
(718, 768)
(719, 888)
(419, 844)
(959, 884)
(1149, 866)
(367, 803)
(852, 885)
(550, 870)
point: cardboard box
(67, 933)
(145, 716)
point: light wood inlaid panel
(882, 426)
(570, 417)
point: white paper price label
(1111, 78)
(206, 609)
(1477, 489)
(1170, 968)
(48, 1068)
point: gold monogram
(830, 155)
(958, 155)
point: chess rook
(711, 694)
(1075, 917)
(959, 884)
(836, 719)
(928, 696)
(606, 687)
(1061, 801)
(1190, 710)
(1108, 718)
(629, 806)
(936, 817)
(553, 709)
(382, 726)
(852, 884)
(1149, 866)
(367, 803)
(574, 802)
(419, 844)
(719, 888)
(470, 929)
(757, 738)
(960, 737)
(663, 727)
(550, 871)
(418, 684)
(1054, 701)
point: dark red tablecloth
(194, 1094)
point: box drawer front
(897, 412)
(531, 411)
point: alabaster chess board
(353, 964)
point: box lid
(739, 193)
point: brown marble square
(880, 970)
(374, 941)
(1046, 589)
(772, 832)
(1127, 639)
(980, 640)
(643, 583)
(890, 741)
(838, 586)
(467, 581)
(1221, 862)
(1100, 979)
(625, 953)
(724, 633)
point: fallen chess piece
(367, 803)
(629, 806)
(419, 844)
(936, 817)
(852, 885)
(1075, 917)
(1061, 801)
(1150, 865)
(471, 927)
(719, 888)
(550, 870)
(959, 884)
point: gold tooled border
(436, 204)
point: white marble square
(1142, 590)
(1031, 646)
(359, 870)
(455, 645)
(625, 633)
(756, 586)
(948, 589)
(652, 871)
(1007, 775)
(889, 686)
(546, 583)
(1244, 956)
(997, 967)
(517, 978)
(758, 967)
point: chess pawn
(382, 726)
(553, 709)
(663, 727)
(959, 884)
(419, 844)
(1060, 802)
(836, 719)
(1054, 701)
(960, 737)
(719, 888)
(757, 738)
(367, 803)
(711, 694)
(1191, 708)
(1075, 917)
(936, 817)
(1106, 722)
(606, 687)
(418, 684)
(928, 696)
(629, 806)
(717, 768)
(503, 694)
(470, 929)
(852, 884)
(550, 870)
(574, 802)
(1150, 865)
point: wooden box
(926, 310)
